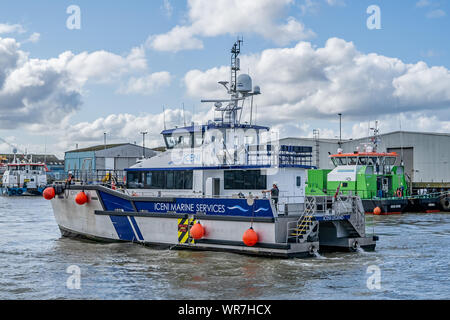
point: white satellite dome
(244, 83)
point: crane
(14, 148)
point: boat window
(335, 162)
(352, 161)
(134, 180)
(198, 139)
(179, 141)
(244, 180)
(390, 161)
(164, 180)
(341, 161)
(299, 181)
(170, 180)
(363, 161)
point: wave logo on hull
(243, 210)
(237, 208)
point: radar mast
(239, 88)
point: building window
(299, 181)
(244, 180)
(163, 180)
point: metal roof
(99, 147)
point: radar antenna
(239, 88)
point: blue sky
(412, 31)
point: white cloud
(34, 38)
(335, 3)
(11, 28)
(147, 85)
(168, 8)
(303, 82)
(177, 39)
(40, 93)
(212, 18)
(434, 14)
(423, 3)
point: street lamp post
(143, 143)
(340, 129)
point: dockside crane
(15, 149)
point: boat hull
(387, 206)
(94, 221)
(425, 204)
(18, 192)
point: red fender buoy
(49, 193)
(81, 198)
(250, 237)
(197, 231)
(377, 211)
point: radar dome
(244, 83)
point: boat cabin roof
(203, 128)
(26, 164)
(364, 154)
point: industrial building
(111, 157)
(426, 156)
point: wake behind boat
(208, 191)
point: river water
(412, 257)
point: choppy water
(413, 256)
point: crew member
(274, 194)
(69, 180)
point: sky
(72, 70)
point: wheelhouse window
(184, 140)
(178, 141)
(352, 161)
(390, 161)
(341, 161)
(244, 180)
(163, 180)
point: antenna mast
(239, 88)
(376, 136)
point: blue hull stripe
(136, 228)
(123, 228)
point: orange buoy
(250, 237)
(377, 211)
(197, 231)
(81, 198)
(49, 193)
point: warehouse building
(105, 158)
(426, 156)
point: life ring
(399, 193)
(445, 203)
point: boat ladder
(298, 231)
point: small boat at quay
(24, 178)
(209, 191)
